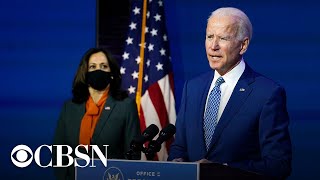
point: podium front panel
(136, 170)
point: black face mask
(98, 79)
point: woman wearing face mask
(99, 112)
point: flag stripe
(163, 154)
(170, 105)
(156, 97)
(168, 98)
(171, 82)
(142, 121)
(150, 113)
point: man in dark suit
(233, 115)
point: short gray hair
(245, 26)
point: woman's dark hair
(80, 88)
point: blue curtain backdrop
(41, 43)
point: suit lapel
(205, 89)
(238, 97)
(106, 111)
(79, 111)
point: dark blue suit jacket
(252, 133)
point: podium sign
(137, 170)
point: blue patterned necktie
(211, 114)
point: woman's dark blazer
(118, 124)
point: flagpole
(140, 78)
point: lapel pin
(107, 108)
(241, 89)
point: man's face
(224, 50)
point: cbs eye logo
(21, 154)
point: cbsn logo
(22, 151)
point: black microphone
(155, 145)
(136, 145)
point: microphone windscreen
(150, 132)
(170, 128)
(147, 135)
(166, 133)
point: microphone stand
(152, 149)
(150, 155)
(133, 155)
(135, 151)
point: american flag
(146, 67)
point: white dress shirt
(231, 78)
